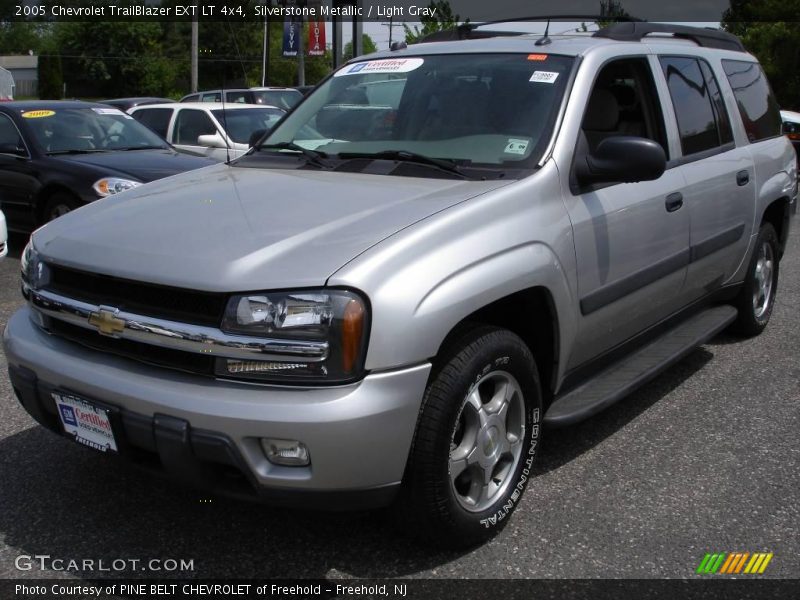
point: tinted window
(190, 125)
(239, 97)
(9, 136)
(192, 98)
(720, 112)
(157, 119)
(211, 97)
(691, 99)
(757, 105)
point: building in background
(24, 69)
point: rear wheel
(58, 205)
(757, 298)
(476, 440)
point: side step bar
(636, 369)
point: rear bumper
(206, 432)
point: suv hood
(229, 229)
(142, 165)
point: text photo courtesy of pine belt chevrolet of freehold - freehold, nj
(355, 299)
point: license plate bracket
(85, 422)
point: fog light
(289, 453)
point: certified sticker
(108, 111)
(544, 77)
(515, 146)
(38, 114)
(387, 65)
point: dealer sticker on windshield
(88, 424)
(544, 77)
(38, 114)
(515, 146)
(386, 65)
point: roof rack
(708, 38)
(469, 31)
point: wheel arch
(540, 332)
(47, 192)
(778, 214)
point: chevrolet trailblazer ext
(443, 248)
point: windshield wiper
(54, 152)
(313, 156)
(405, 156)
(138, 148)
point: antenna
(225, 121)
(543, 41)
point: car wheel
(476, 440)
(58, 205)
(757, 298)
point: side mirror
(256, 136)
(213, 140)
(13, 149)
(622, 159)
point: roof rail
(708, 38)
(469, 31)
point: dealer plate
(85, 422)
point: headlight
(35, 273)
(108, 186)
(307, 319)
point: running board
(636, 369)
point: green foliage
(769, 31)
(610, 12)
(443, 19)
(368, 47)
(51, 77)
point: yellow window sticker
(38, 114)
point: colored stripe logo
(734, 563)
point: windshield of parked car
(91, 129)
(243, 122)
(494, 111)
(284, 99)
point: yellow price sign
(38, 114)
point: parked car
(395, 315)
(791, 127)
(56, 156)
(304, 89)
(208, 129)
(125, 104)
(284, 98)
(3, 236)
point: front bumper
(203, 430)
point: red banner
(316, 38)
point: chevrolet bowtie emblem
(107, 322)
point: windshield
(92, 129)
(284, 99)
(242, 123)
(493, 111)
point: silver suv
(442, 249)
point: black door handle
(742, 178)
(674, 201)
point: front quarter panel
(427, 278)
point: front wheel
(476, 440)
(58, 205)
(757, 298)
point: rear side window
(157, 119)
(703, 123)
(758, 107)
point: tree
(769, 31)
(611, 11)
(51, 77)
(442, 19)
(368, 47)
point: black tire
(475, 369)
(60, 203)
(754, 307)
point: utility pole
(194, 48)
(265, 54)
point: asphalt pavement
(703, 459)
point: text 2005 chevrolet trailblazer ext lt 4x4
(442, 249)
